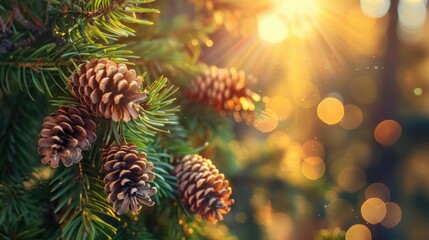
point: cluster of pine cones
(112, 91)
(227, 90)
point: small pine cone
(128, 173)
(203, 188)
(226, 90)
(110, 90)
(65, 134)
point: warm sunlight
(272, 29)
(214, 119)
(296, 17)
(300, 16)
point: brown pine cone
(65, 134)
(128, 173)
(110, 90)
(227, 91)
(203, 188)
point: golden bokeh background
(340, 145)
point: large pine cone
(65, 134)
(203, 188)
(128, 173)
(110, 90)
(226, 90)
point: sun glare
(272, 29)
(299, 15)
(296, 17)
(294, 7)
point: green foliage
(80, 203)
(133, 228)
(205, 122)
(24, 205)
(157, 111)
(20, 120)
(163, 56)
(76, 25)
(48, 68)
(22, 232)
(165, 182)
(98, 19)
(45, 42)
(15, 200)
(331, 234)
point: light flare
(272, 29)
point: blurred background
(342, 149)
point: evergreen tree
(103, 103)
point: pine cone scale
(226, 90)
(65, 135)
(110, 90)
(128, 174)
(203, 188)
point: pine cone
(128, 173)
(110, 90)
(65, 134)
(227, 91)
(203, 188)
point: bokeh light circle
(353, 117)
(313, 168)
(351, 179)
(330, 110)
(331, 195)
(313, 148)
(375, 8)
(393, 216)
(279, 139)
(387, 132)
(267, 122)
(279, 225)
(418, 91)
(373, 210)
(378, 190)
(412, 14)
(358, 232)
(281, 106)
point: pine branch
(133, 228)
(22, 232)
(163, 56)
(50, 66)
(99, 19)
(171, 215)
(173, 48)
(15, 202)
(20, 25)
(24, 206)
(177, 142)
(157, 111)
(20, 120)
(205, 123)
(81, 204)
(165, 182)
